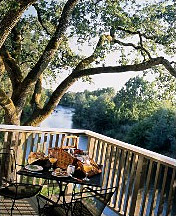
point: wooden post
(136, 186)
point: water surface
(60, 118)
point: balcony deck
(25, 207)
(146, 180)
(22, 207)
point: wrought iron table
(95, 181)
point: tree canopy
(37, 46)
(137, 114)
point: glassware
(85, 153)
(70, 169)
(87, 168)
(86, 157)
(71, 151)
(52, 161)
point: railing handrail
(140, 151)
(40, 129)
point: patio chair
(9, 187)
(92, 202)
(89, 202)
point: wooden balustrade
(146, 181)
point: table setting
(63, 166)
(63, 163)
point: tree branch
(2, 66)
(12, 17)
(141, 47)
(47, 55)
(134, 32)
(155, 38)
(125, 68)
(10, 110)
(168, 66)
(132, 45)
(39, 115)
(35, 101)
(40, 18)
(12, 68)
(87, 61)
(75, 75)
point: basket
(35, 156)
(63, 158)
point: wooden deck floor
(25, 207)
(22, 207)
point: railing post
(134, 195)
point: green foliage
(94, 110)
(136, 100)
(166, 87)
(137, 114)
(156, 132)
(132, 26)
(68, 99)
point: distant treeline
(139, 114)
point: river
(62, 118)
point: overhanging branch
(75, 75)
(126, 68)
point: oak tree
(37, 46)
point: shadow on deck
(27, 207)
(22, 207)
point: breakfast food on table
(60, 172)
(93, 169)
(63, 157)
(60, 159)
(78, 151)
(33, 156)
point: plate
(60, 174)
(34, 168)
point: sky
(116, 81)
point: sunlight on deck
(22, 207)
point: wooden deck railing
(146, 180)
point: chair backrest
(7, 165)
(69, 141)
(97, 200)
